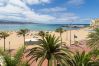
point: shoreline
(44, 30)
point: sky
(49, 11)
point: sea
(38, 27)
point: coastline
(39, 27)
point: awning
(32, 39)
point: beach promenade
(16, 41)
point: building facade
(94, 23)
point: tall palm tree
(60, 30)
(93, 40)
(4, 35)
(50, 49)
(23, 32)
(15, 60)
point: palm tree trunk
(48, 63)
(4, 44)
(43, 37)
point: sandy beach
(17, 41)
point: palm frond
(93, 39)
(3, 34)
(19, 53)
(49, 49)
(23, 32)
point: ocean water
(35, 27)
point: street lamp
(70, 32)
(9, 46)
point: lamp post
(9, 46)
(66, 34)
(70, 33)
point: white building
(95, 23)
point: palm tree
(93, 40)
(82, 59)
(23, 32)
(4, 35)
(50, 49)
(95, 57)
(15, 60)
(41, 33)
(60, 30)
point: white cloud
(67, 17)
(61, 14)
(3, 2)
(53, 10)
(30, 2)
(76, 2)
(18, 9)
(38, 17)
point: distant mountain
(15, 22)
